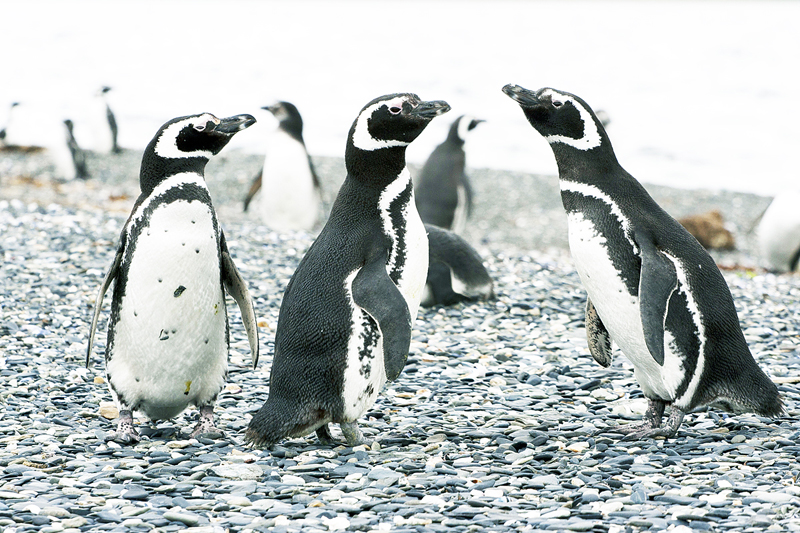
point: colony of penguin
(30, 127)
(389, 245)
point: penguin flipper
(598, 337)
(314, 176)
(98, 305)
(375, 292)
(237, 288)
(254, 188)
(657, 281)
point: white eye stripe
(167, 147)
(591, 135)
(363, 139)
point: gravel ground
(501, 421)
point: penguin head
(561, 117)
(393, 120)
(288, 117)
(462, 126)
(197, 136)
(185, 144)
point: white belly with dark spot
(288, 200)
(170, 348)
(619, 310)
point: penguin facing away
(344, 326)
(652, 288)
(779, 233)
(455, 270)
(290, 194)
(443, 191)
(168, 334)
(78, 155)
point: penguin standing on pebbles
(652, 288)
(290, 198)
(443, 192)
(168, 335)
(344, 327)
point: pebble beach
(500, 421)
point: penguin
(78, 155)
(344, 326)
(455, 270)
(291, 195)
(168, 335)
(443, 192)
(652, 288)
(779, 233)
(104, 124)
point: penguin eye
(557, 103)
(395, 110)
(200, 127)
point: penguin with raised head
(290, 194)
(168, 335)
(652, 288)
(443, 191)
(455, 270)
(78, 155)
(344, 326)
(778, 233)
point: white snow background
(700, 93)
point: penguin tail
(278, 419)
(753, 393)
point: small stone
(188, 519)
(108, 410)
(240, 471)
(99, 380)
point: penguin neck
(375, 168)
(453, 137)
(156, 169)
(293, 129)
(585, 165)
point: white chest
(409, 255)
(170, 345)
(288, 199)
(619, 310)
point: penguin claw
(205, 427)
(126, 433)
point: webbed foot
(353, 435)
(205, 425)
(324, 435)
(126, 433)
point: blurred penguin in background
(104, 124)
(779, 233)
(286, 192)
(443, 193)
(78, 156)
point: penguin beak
(431, 109)
(235, 124)
(524, 97)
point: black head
(561, 117)
(197, 136)
(68, 123)
(393, 120)
(289, 118)
(462, 126)
(185, 144)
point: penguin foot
(324, 435)
(651, 421)
(126, 433)
(646, 431)
(353, 435)
(205, 425)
